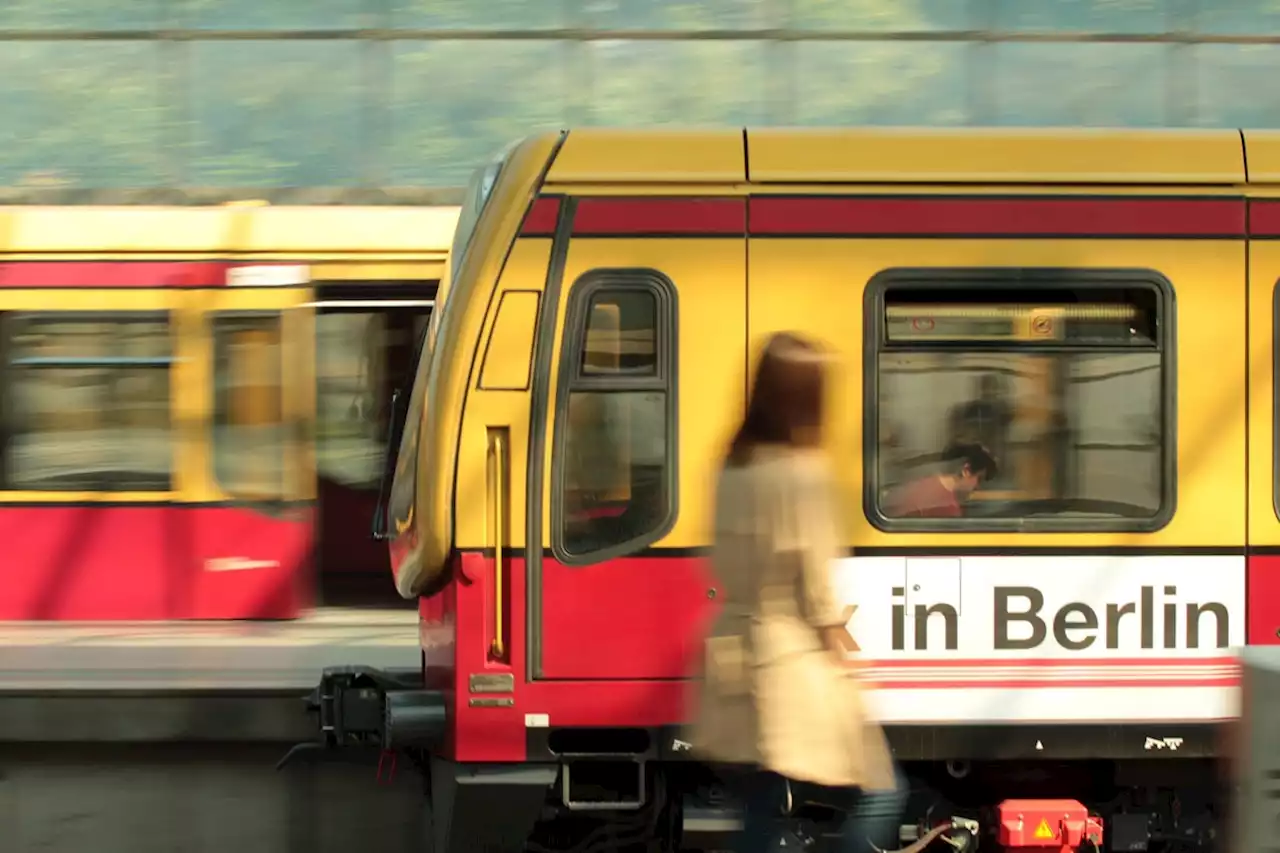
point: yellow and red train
(1103, 304)
(195, 402)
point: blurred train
(195, 402)
(1098, 307)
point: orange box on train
(196, 401)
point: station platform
(188, 681)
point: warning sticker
(1044, 830)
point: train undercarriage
(593, 790)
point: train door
(255, 538)
(645, 382)
(366, 337)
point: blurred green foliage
(359, 108)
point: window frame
(1030, 279)
(167, 363)
(570, 379)
(237, 497)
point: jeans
(871, 817)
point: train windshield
(399, 503)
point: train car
(1099, 307)
(195, 402)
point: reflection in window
(1068, 400)
(360, 359)
(615, 349)
(249, 440)
(87, 404)
(617, 450)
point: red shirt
(924, 498)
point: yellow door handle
(497, 453)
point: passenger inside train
(965, 467)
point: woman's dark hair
(975, 457)
(786, 397)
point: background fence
(400, 99)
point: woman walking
(779, 700)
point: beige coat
(771, 694)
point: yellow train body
(606, 305)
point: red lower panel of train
(614, 640)
(154, 563)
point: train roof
(1098, 156)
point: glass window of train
(611, 348)
(87, 402)
(615, 457)
(361, 357)
(249, 435)
(1060, 395)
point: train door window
(614, 475)
(249, 436)
(350, 403)
(362, 357)
(86, 403)
(1020, 400)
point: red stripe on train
(541, 219)
(636, 217)
(884, 216)
(897, 216)
(1264, 218)
(113, 274)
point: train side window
(86, 403)
(1063, 379)
(249, 435)
(614, 466)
